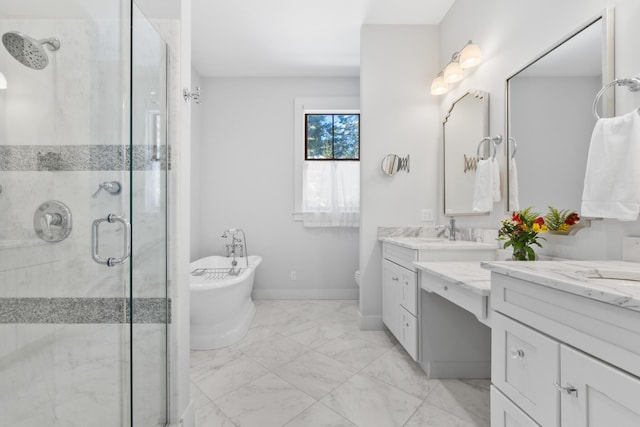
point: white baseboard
(276, 294)
(371, 323)
(188, 418)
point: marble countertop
(436, 243)
(612, 282)
(466, 274)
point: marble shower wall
(63, 131)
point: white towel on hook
(497, 195)
(514, 199)
(483, 186)
(612, 177)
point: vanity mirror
(463, 129)
(550, 118)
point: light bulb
(470, 56)
(3, 81)
(439, 86)
(453, 73)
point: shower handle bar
(95, 232)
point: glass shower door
(81, 154)
(149, 219)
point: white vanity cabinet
(401, 306)
(399, 310)
(561, 358)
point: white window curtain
(331, 194)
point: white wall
(510, 35)
(398, 115)
(246, 180)
(196, 182)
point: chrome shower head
(28, 51)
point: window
(332, 136)
(327, 150)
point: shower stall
(84, 308)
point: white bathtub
(221, 309)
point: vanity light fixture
(469, 56)
(3, 81)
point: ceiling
(252, 38)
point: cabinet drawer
(505, 414)
(409, 291)
(409, 335)
(525, 365)
(603, 396)
(400, 255)
(474, 303)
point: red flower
(539, 221)
(515, 217)
(572, 219)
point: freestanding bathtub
(221, 308)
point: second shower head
(29, 51)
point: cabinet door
(524, 366)
(505, 414)
(409, 338)
(409, 291)
(604, 396)
(391, 297)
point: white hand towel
(612, 177)
(514, 199)
(483, 187)
(497, 196)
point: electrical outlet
(427, 214)
(293, 275)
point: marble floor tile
(206, 413)
(230, 376)
(315, 373)
(468, 400)
(428, 415)
(319, 416)
(268, 401)
(203, 362)
(366, 401)
(353, 351)
(274, 351)
(308, 350)
(317, 335)
(398, 369)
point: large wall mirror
(550, 118)
(462, 130)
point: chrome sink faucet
(452, 229)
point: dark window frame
(332, 159)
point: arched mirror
(550, 118)
(463, 129)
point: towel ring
(632, 83)
(514, 143)
(493, 141)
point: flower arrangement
(561, 221)
(521, 232)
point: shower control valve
(111, 187)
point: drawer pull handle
(517, 353)
(569, 389)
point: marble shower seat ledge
(611, 282)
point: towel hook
(632, 83)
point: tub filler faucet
(237, 245)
